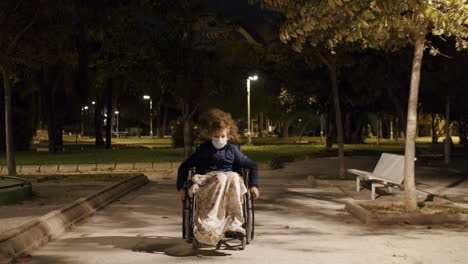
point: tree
(388, 25)
(12, 34)
(25, 26)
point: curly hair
(215, 119)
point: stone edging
(366, 216)
(98, 167)
(37, 232)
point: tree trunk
(285, 131)
(377, 129)
(58, 134)
(338, 120)
(448, 138)
(399, 109)
(321, 128)
(391, 129)
(463, 133)
(347, 127)
(110, 113)
(356, 135)
(51, 127)
(83, 62)
(158, 122)
(187, 136)
(411, 124)
(330, 130)
(381, 127)
(2, 115)
(164, 125)
(261, 124)
(99, 141)
(433, 128)
(8, 122)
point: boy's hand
(255, 192)
(182, 194)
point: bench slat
(390, 168)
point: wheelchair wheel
(249, 217)
(252, 211)
(187, 223)
(184, 229)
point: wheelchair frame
(188, 206)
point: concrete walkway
(295, 223)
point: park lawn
(258, 153)
(164, 142)
(419, 140)
(123, 140)
(278, 140)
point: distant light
(253, 78)
(86, 107)
(146, 97)
(116, 112)
(300, 120)
(93, 102)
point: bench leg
(358, 184)
(373, 191)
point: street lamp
(82, 118)
(147, 97)
(117, 122)
(249, 133)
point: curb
(356, 209)
(38, 232)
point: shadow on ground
(171, 246)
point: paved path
(295, 223)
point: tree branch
(194, 110)
(323, 59)
(20, 34)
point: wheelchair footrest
(231, 234)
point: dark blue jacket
(207, 158)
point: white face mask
(219, 142)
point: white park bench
(387, 173)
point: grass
(128, 140)
(263, 150)
(278, 140)
(258, 153)
(419, 140)
(146, 142)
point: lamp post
(249, 132)
(82, 119)
(147, 97)
(117, 123)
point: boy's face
(220, 133)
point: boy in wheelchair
(218, 188)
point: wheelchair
(247, 211)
